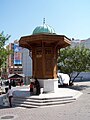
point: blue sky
(68, 17)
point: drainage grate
(7, 117)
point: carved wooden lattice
(39, 62)
(48, 61)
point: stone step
(23, 105)
(44, 100)
(41, 105)
(30, 105)
(37, 102)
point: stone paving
(78, 110)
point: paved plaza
(78, 110)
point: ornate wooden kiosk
(44, 45)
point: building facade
(14, 61)
(19, 62)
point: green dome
(43, 29)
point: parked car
(63, 79)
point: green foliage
(74, 59)
(3, 51)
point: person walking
(37, 86)
(10, 95)
(31, 88)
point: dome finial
(43, 21)
(45, 28)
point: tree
(74, 59)
(4, 52)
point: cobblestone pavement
(78, 110)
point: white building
(27, 65)
(85, 42)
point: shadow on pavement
(79, 87)
(5, 107)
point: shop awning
(11, 76)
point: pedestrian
(10, 95)
(13, 83)
(37, 86)
(20, 82)
(31, 88)
(1, 83)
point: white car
(63, 79)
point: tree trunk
(72, 80)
